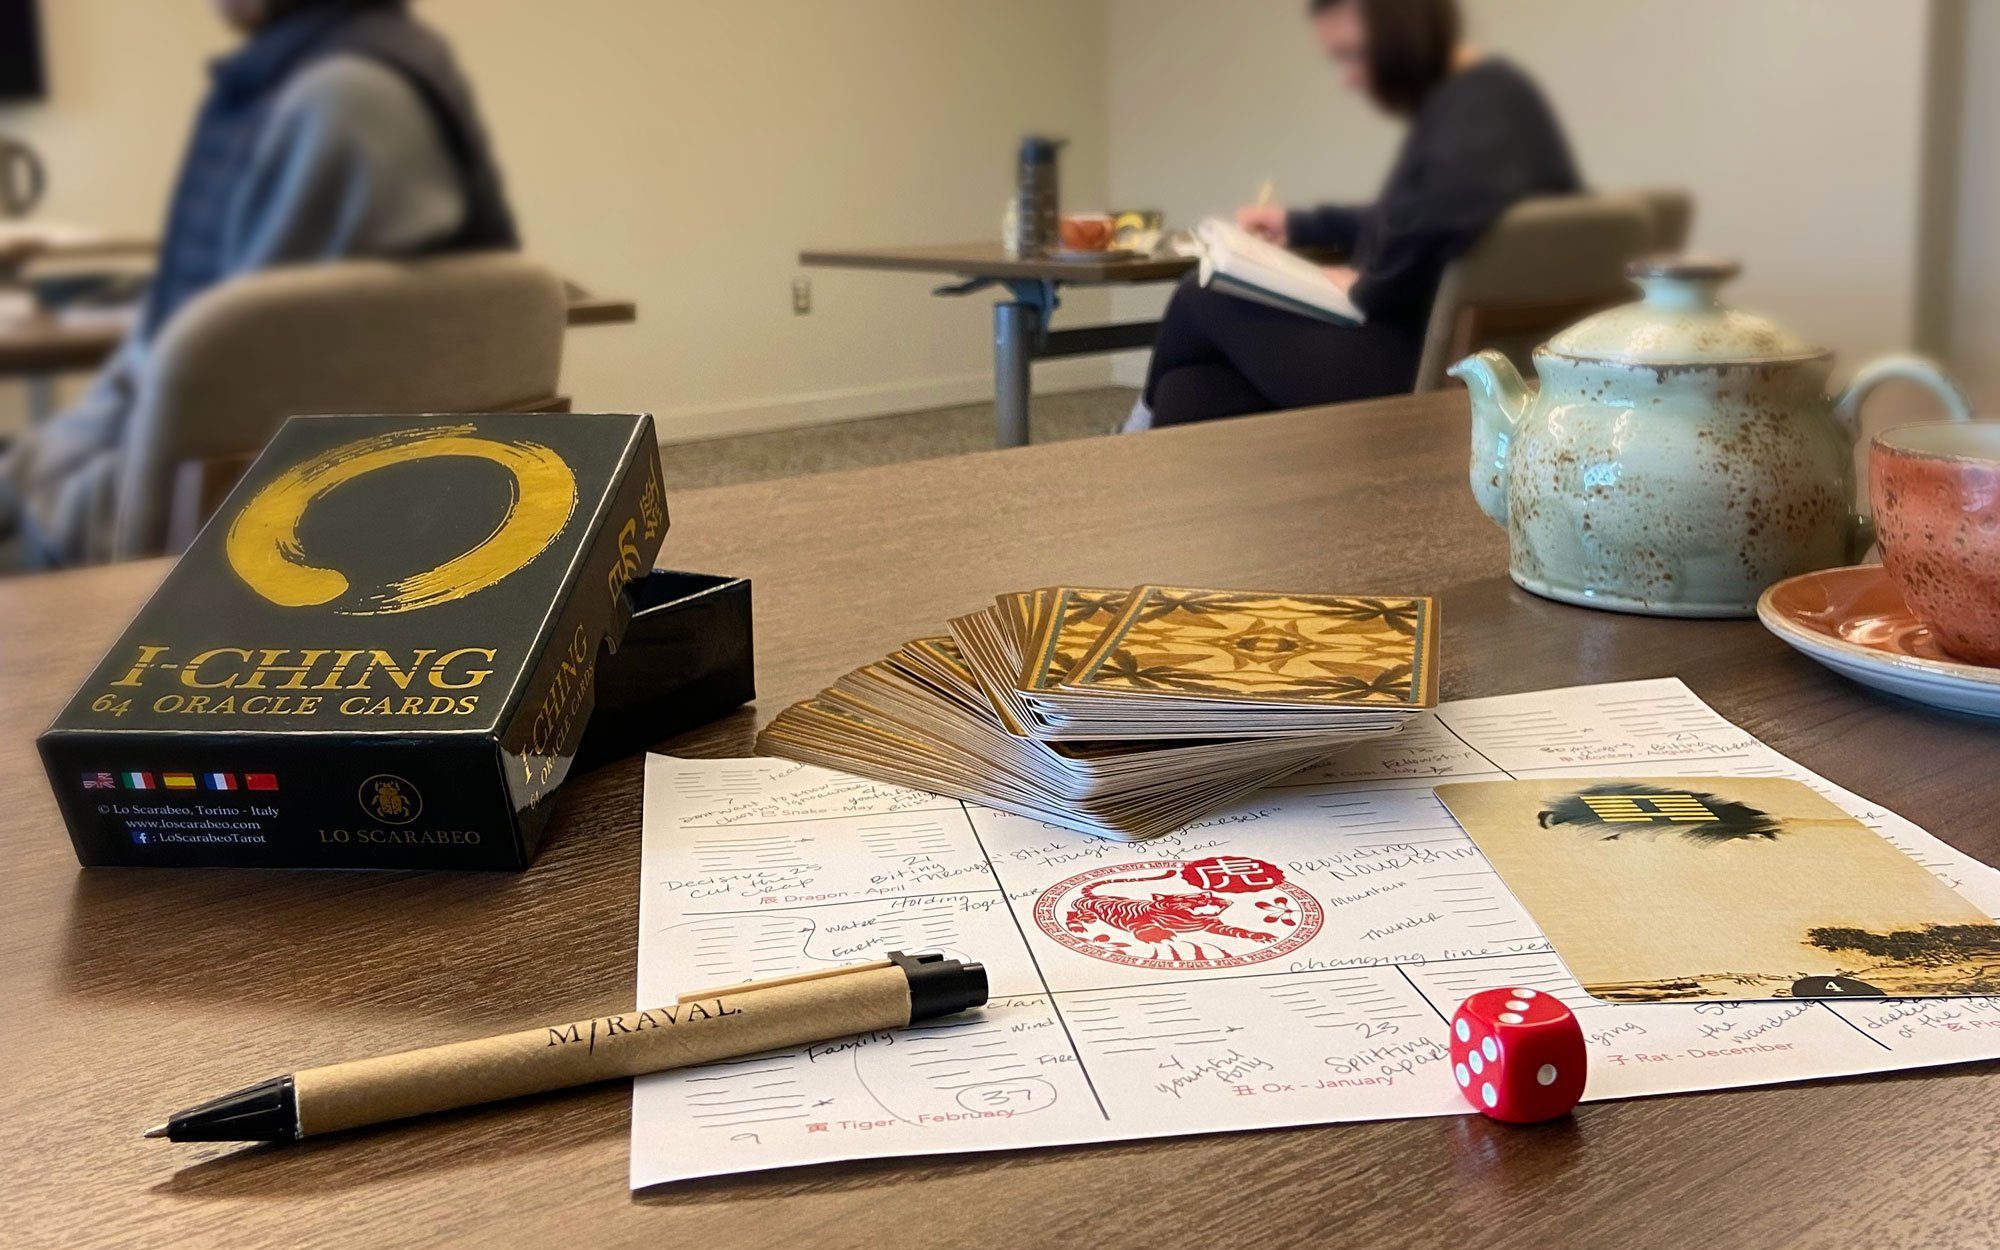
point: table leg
(1015, 325)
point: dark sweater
(1484, 139)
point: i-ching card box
(380, 653)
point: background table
(20, 247)
(36, 349)
(1021, 332)
(44, 345)
(127, 993)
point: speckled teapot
(1679, 456)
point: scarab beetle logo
(390, 799)
(263, 544)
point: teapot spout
(1499, 400)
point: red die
(1517, 1055)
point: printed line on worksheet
(1396, 783)
(1418, 991)
(1384, 966)
(1426, 782)
(859, 898)
(1446, 726)
(792, 820)
(1599, 765)
(1035, 963)
(1857, 1028)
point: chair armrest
(199, 488)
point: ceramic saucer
(1854, 621)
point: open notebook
(1241, 264)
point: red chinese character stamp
(1232, 874)
(1222, 912)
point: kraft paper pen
(703, 1027)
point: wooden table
(36, 349)
(130, 992)
(19, 248)
(1021, 333)
(39, 346)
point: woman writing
(1480, 138)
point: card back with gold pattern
(1250, 647)
(1075, 618)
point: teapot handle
(1925, 373)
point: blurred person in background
(339, 129)
(1481, 137)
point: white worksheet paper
(1387, 918)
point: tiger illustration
(1161, 918)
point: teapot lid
(1679, 321)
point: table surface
(990, 260)
(41, 344)
(128, 993)
(19, 245)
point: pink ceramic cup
(1936, 494)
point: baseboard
(860, 402)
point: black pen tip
(268, 1111)
(158, 1130)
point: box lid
(385, 575)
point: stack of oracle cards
(1124, 713)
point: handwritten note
(1291, 960)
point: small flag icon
(100, 781)
(178, 781)
(219, 781)
(260, 781)
(138, 781)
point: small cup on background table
(1935, 490)
(1086, 232)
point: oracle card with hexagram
(1673, 888)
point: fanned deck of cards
(1124, 713)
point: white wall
(123, 79)
(124, 76)
(1205, 104)
(1797, 124)
(1972, 278)
(681, 152)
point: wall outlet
(802, 296)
